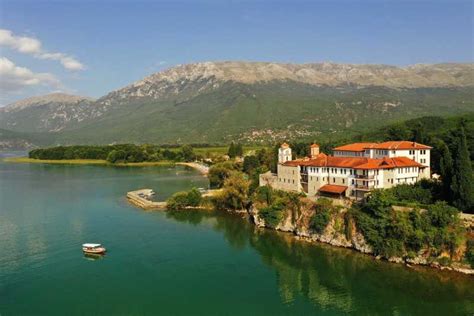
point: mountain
(48, 113)
(10, 140)
(253, 102)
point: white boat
(93, 248)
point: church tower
(314, 151)
(284, 153)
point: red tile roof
(399, 145)
(285, 145)
(332, 188)
(389, 163)
(314, 146)
(322, 160)
(392, 145)
(355, 147)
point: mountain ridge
(253, 101)
(46, 98)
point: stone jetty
(142, 199)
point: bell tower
(284, 153)
(314, 151)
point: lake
(183, 263)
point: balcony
(361, 187)
(365, 177)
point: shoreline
(355, 243)
(96, 162)
(203, 169)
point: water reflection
(340, 279)
(190, 217)
(93, 257)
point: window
(342, 181)
(334, 180)
(352, 181)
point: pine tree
(463, 182)
(446, 170)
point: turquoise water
(184, 263)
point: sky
(93, 47)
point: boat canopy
(91, 245)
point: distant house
(353, 170)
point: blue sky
(93, 47)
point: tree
(116, 156)
(463, 182)
(419, 133)
(231, 152)
(250, 164)
(446, 170)
(194, 197)
(397, 132)
(239, 150)
(235, 192)
(188, 153)
(219, 172)
(183, 199)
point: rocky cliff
(341, 231)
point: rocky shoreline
(300, 229)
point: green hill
(267, 112)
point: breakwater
(141, 198)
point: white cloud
(32, 46)
(14, 78)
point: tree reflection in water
(343, 280)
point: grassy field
(222, 150)
(88, 162)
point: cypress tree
(446, 170)
(231, 151)
(419, 134)
(239, 150)
(463, 182)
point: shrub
(470, 252)
(272, 215)
(322, 215)
(411, 193)
(393, 233)
(264, 195)
(183, 199)
(442, 215)
(194, 197)
(320, 220)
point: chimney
(314, 151)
